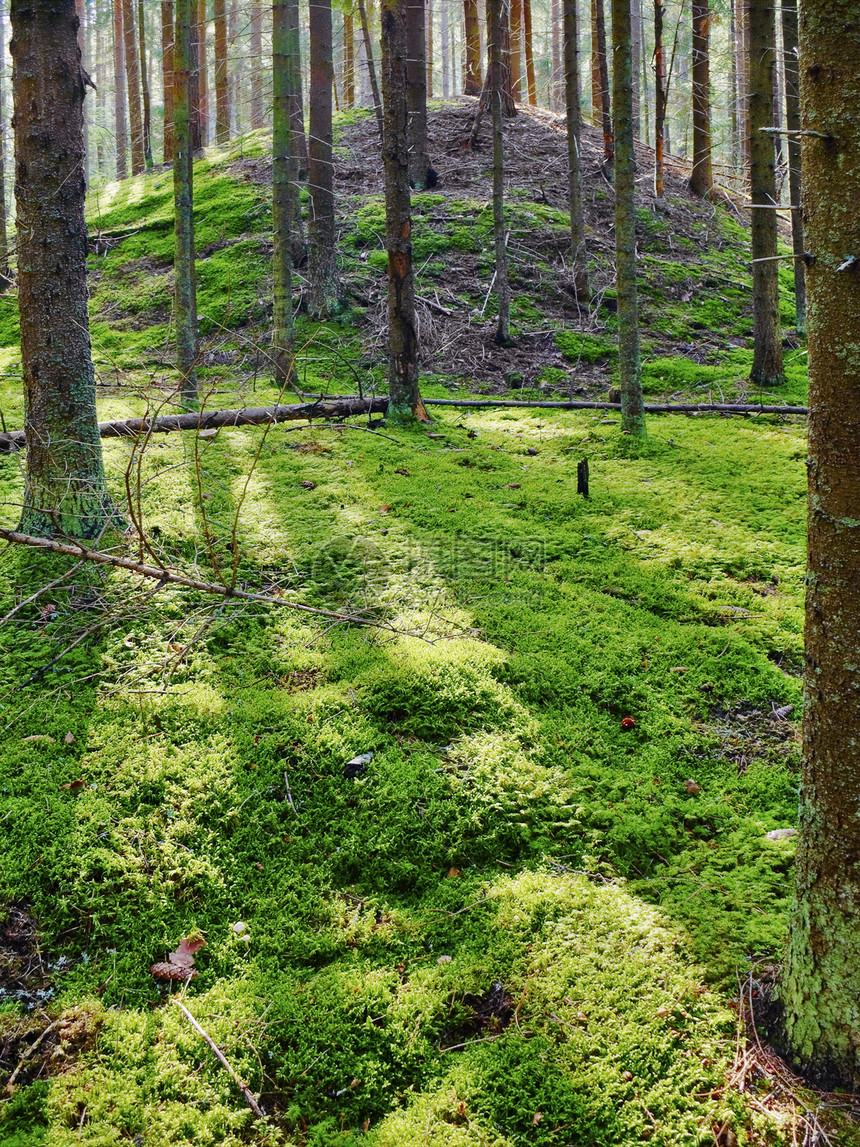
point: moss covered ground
(522, 920)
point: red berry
(627, 723)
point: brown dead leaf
(692, 787)
(536, 1118)
(453, 873)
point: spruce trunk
(65, 490)
(473, 84)
(222, 79)
(185, 290)
(659, 98)
(132, 71)
(496, 18)
(255, 33)
(323, 299)
(167, 73)
(701, 178)
(371, 66)
(416, 94)
(120, 121)
(579, 266)
(792, 118)
(144, 86)
(598, 34)
(529, 52)
(821, 984)
(282, 204)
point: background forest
(441, 776)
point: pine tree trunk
(473, 84)
(445, 54)
(636, 22)
(516, 33)
(348, 59)
(629, 366)
(702, 177)
(404, 404)
(256, 67)
(529, 50)
(144, 84)
(659, 97)
(65, 490)
(298, 140)
(120, 121)
(201, 75)
(5, 277)
(371, 66)
(416, 94)
(599, 39)
(132, 71)
(578, 251)
(792, 117)
(222, 79)
(821, 985)
(323, 301)
(167, 73)
(101, 95)
(743, 24)
(428, 40)
(283, 167)
(732, 94)
(496, 20)
(767, 346)
(185, 288)
(557, 72)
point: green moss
(586, 348)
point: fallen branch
(662, 408)
(243, 1087)
(167, 577)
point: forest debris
(780, 834)
(692, 787)
(357, 765)
(179, 964)
(222, 1059)
(38, 737)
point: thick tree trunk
(404, 398)
(283, 167)
(598, 33)
(629, 366)
(120, 121)
(371, 66)
(578, 252)
(821, 985)
(323, 301)
(416, 94)
(256, 67)
(144, 86)
(792, 116)
(222, 79)
(65, 489)
(767, 349)
(473, 84)
(132, 71)
(185, 289)
(659, 97)
(702, 177)
(167, 73)
(496, 20)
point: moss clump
(585, 348)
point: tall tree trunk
(348, 59)
(81, 11)
(636, 48)
(371, 66)
(445, 54)
(578, 252)
(101, 84)
(120, 121)
(201, 59)
(256, 67)
(792, 116)
(222, 79)
(185, 287)
(557, 73)
(496, 19)
(132, 71)
(323, 301)
(659, 97)
(821, 984)
(529, 49)
(599, 38)
(5, 276)
(732, 95)
(65, 490)
(702, 177)
(283, 170)
(596, 84)
(144, 83)
(629, 366)
(404, 404)
(473, 84)
(167, 73)
(416, 94)
(299, 147)
(744, 79)
(767, 349)
(428, 40)
(236, 74)
(516, 53)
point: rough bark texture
(529, 50)
(702, 177)
(167, 73)
(348, 59)
(516, 26)
(416, 93)
(120, 122)
(222, 82)
(200, 86)
(629, 366)
(792, 117)
(185, 292)
(496, 18)
(323, 299)
(132, 71)
(404, 398)
(821, 986)
(598, 34)
(767, 349)
(256, 66)
(65, 489)
(578, 263)
(4, 238)
(282, 214)
(659, 98)
(144, 89)
(371, 66)
(473, 84)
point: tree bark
(496, 19)
(428, 41)
(557, 71)
(132, 71)
(598, 33)
(256, 67)
(65, 490)
(405, 403)
(120, 121)
(416, 94)
(821, 984)
(629, 366)
(515, 8)
(185, 288)
(444, 53)
(578, 251)
(348, 59)
(323, 300)
(659, 97)
(200, 84)
(767, 349)
(702, 177)
(792, 117)
(371, 66)
(222, 79)
(473, 85)
(282, 206)
(5, 276)
(529, 50)
(144, 87)
(167, 73)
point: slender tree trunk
(323, 301)
(428, 40)
(792, 116)
(120, 122)
(222, 79)
(702, 177)
(202, 73)
(578, 251)
(767, 350)
(596, 86)
(81, 10)
(529, 49)
(132, 71)
(5, 275)
(404, 397)
(659, 97)
(496, 19)
(416, 94)
(732, 95)
(636, 22)
(65, 491)
(348, 59)
(185, 286)
(167, 72)
(144, 85)
(744, 80)
(778, 100)
(298, 140)
(101, 73)
(557, 71)
(821, 984)
(236, 86)
(516, 53)
(283, 168)
(629, 366)
(445, 54)
(473, 85)
(371, 66)
(599, 38)
(256, 67)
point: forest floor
(512, 865)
